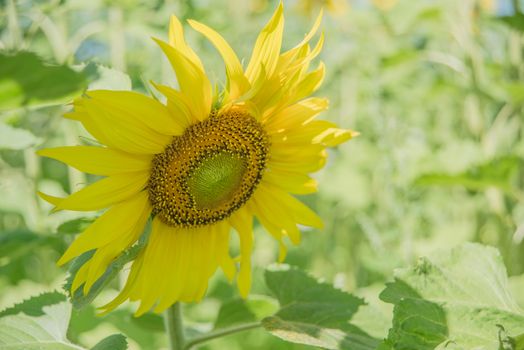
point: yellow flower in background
(334, 7)
(384, 5)
(199, 165)
(488, 5)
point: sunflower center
(209, 171)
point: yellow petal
(289, 55)
(238, 83)
(179, 261)
(105, 255)
(177, 105)
(130, 283)
(242, 221)
(296, 115)
(177, 40)
(108, 191)
(305, 163)
(132, 107)
(309, 84)
(98, 160)
(50, 199)
(192, 80)
(224, 258)
(80, 278)
(114, 129)
(118, 221)
(267, 46)
(334, 136)
(292, 182)
(271, 215)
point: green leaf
(515, 22)
(519, 342)
(16, 244)
(514, 92)
(496, 173)
(26, 80)
(15, 138)
(44, 332)
(243, 311)
(455, 298)
(150, 322)
(74, 226)
(34, 305)
(314, 313)
(113, 342)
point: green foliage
(15, 138)
(34, 305)
(313, 313)
(435, 89)
(515, 21)
(113, 342)
(499, 173)
(74, 226)
(41, 323)
(26, 80)
(240, 311)
(457, 297)
(44, 332)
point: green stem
(220, 333)
(174, 325)
(516, 6)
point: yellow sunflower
(199, 166)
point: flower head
(198, 170)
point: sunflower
(199, 166)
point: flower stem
(220, 333)
(174, 326)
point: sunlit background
(434, 87)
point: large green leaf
(44, 332)
(242, 311)
(314, 313)
(113, 342)
(34, 306)
(26, 80)
(460, 298)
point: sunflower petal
(111, 225)
(267, 46)
(297, 114)
(98, 160)
(224, 259)
(103, 193)
(177, 40)
(177, 104)
(118, 131)
(132, 107)
(238, 83)
(193, 82)
(242, 221)
(293, 182)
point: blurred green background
(436, 89)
